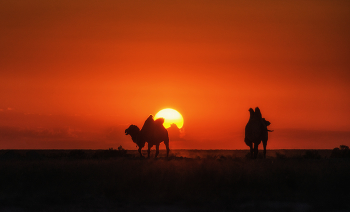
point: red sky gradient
(75, 74)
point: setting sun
(170, 116)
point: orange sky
(75, 74)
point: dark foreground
(44, 180)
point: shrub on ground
(110, 153)
(342, 152)
(312, 154)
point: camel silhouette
(256, 131)
(153, 132)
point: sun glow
(170, 116)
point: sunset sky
(76, 74)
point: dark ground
(196, 180)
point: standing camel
(153, 132)
(256, 131)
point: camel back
(153, 131)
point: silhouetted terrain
(189, 180)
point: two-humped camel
(153, 132)
(256, 131)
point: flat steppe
(189, 180)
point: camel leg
(167, 147)
(250, 144)
(139, 150)
(157, 150)
(149, 150)
(251, 150)
(264, 145)
(264, 141)
(256, 150)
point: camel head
(134, 132)
(267, 123)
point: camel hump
(258, 113)
(159, 121)
(149, 122)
